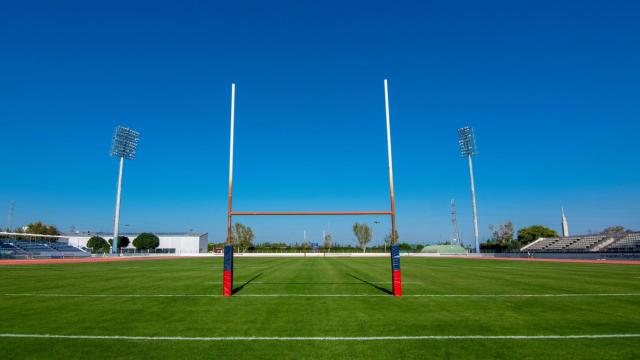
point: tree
(96, 243)
(535, 232)
(242, 236)
(387, 238)
(123, 242)
(612, 230)
(327, 242)
(363, 235)
(42, 229)
(503, 235)
(146, 241)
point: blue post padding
(395, 257)
(228, 258)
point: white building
(183, 244)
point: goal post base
(227, 275)
(396, 276)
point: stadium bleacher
(540, 244)
(64, 247)
(587, 243)
(629, 242)
(40, 248)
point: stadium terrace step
(587, 243)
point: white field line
(323, 295)
(303, 283)
(491, 267)
(332, 338)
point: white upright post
(231, 136)
(473, 204)
(390, 158)
(116, 222)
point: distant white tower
(455, 232)
(565, 225)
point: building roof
(104, 234)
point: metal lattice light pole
(467, 144)
(124, 145)
(455, 231)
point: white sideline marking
(326, 295)
(331, 338)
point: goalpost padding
(227, 277)
(396, 276)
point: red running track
(88, 260)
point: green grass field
(465, 298)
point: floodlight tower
(124, 145)
(467, 144)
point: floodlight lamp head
(125, 143)
(466, 141)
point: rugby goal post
(227, 279)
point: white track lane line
(332, 338)
(325, 295)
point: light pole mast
(467, 144)
(473, 204)
(116, 221)
(124, 145)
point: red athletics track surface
(89, 260)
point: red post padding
(397, 283)
(227, 285)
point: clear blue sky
(550, 87)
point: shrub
(96, 243)
(146, 241)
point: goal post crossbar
(227, 287)
(303, 213)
